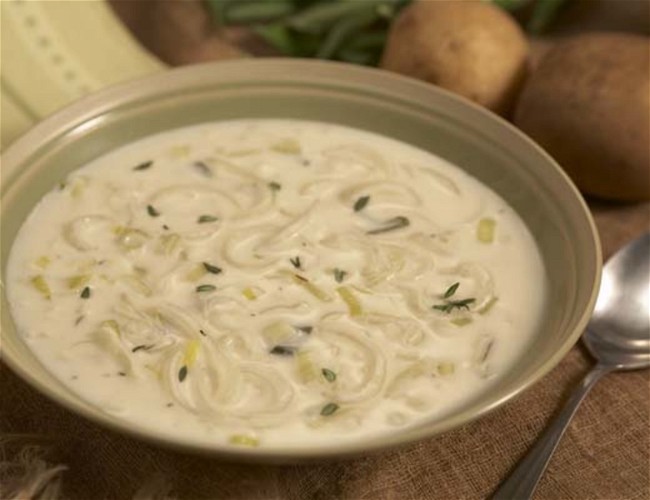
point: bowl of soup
(284, 260)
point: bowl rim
(105, 100)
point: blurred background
(523, 59)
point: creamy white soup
(275, 283)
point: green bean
(543, 15)
(510, 5)
(343, 30)
(255, 12)
(321, 16)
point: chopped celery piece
(111, 324)
(191, 352)
(316, 291)
(461, 321)
(167, 243)
(242, 152)
(249, 293)
(305, 366)
(354, 306)
(486, 308)
(196, 273)
(278, 332)
(129, 238)
(138, 285)
(244, 440)
(43, 261)
(180, 151)
(41, 286)
(78, 281)
(287, 147)
(485, 230)
(446, 368)
(78, 187)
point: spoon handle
(524, 477)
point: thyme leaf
(295, 262)
(361, 203)
(211, 269)
(451, 290)
(206, 218)
(339, 275)
(143, 166)
(329, 409)
(205, 288)
(152, 211)
(203, 168)
(275, 186)
(85, 293)
(182, 373)
(329, 375)
(391, 224)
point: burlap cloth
(604, 455)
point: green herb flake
(182, 373)
(141, 347)
(203, 168)
(295, 262)
(283, 350)
(211, 269)
(275, 186)
(329, 409)
(152, 211)
(143, 166)
(85, 293)
(205, 288)
(203, 219)
(451, 290)
(339, 275)
(361, 203)
(329, 375)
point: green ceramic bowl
(479, 142)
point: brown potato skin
(588, 104)
(469, 47)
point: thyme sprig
(450, 305)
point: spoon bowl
(618, 333)
(618, 336)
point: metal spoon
(618, 336)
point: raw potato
(588, 105)
(178, 32)
(469, 47)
